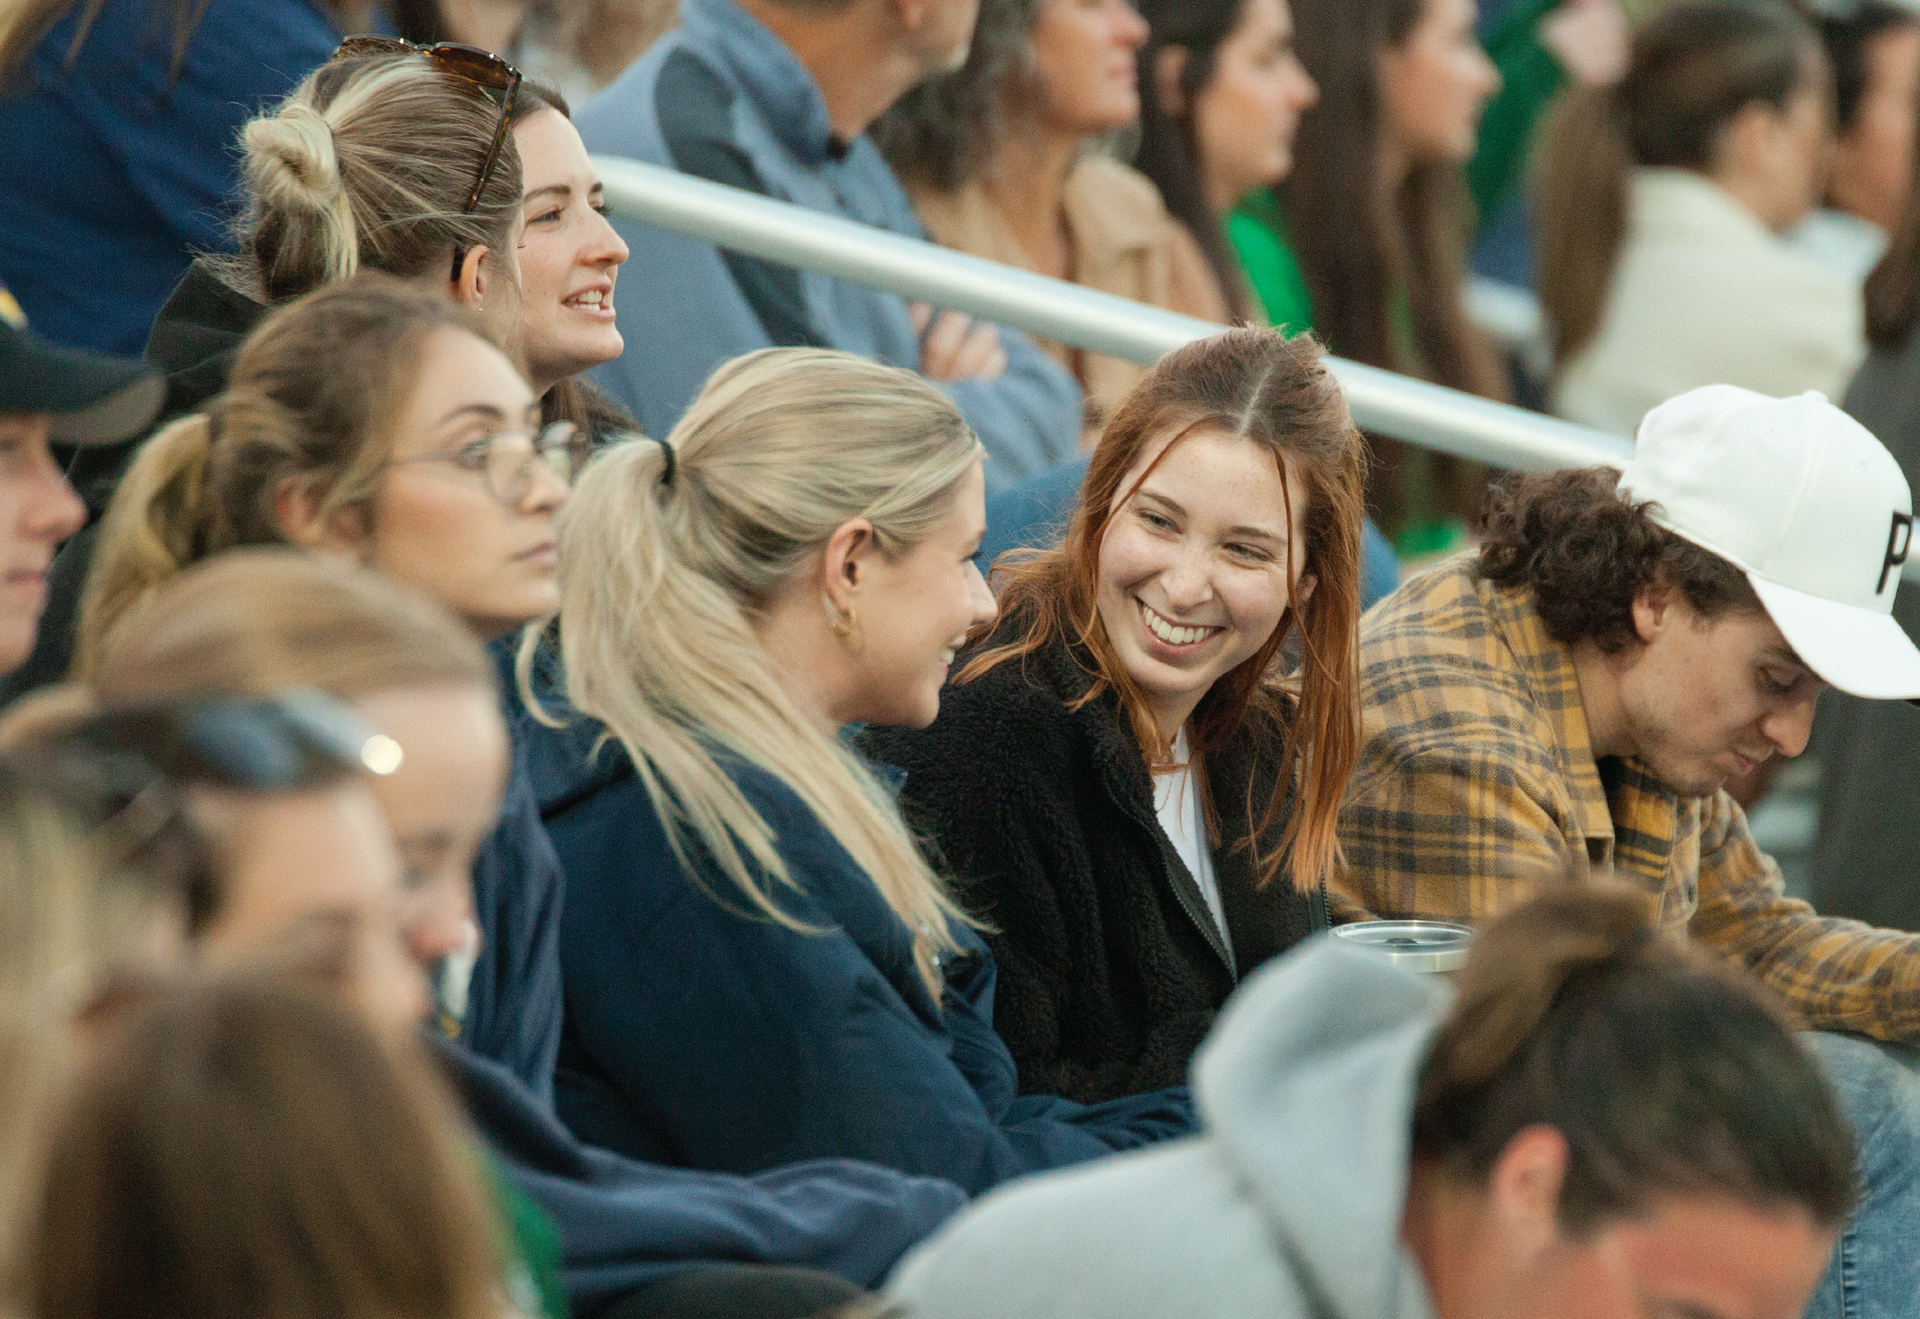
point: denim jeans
(1875, 1272)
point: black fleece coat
(1111, 965)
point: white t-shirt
(1181, 815)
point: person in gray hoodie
(1603, 1123)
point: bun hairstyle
(661, 581)
(313, 394)
(1667, 1070)
(369, 162)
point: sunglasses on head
(298, 739)
(481, 68)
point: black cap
(93, 399)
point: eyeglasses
(505, 458)
(482, 68)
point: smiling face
(1194, 568)
(913, 613)
(570, 255)
(1434, 84)
(1704, 701)
(441, 804)
(1084, 50)
(1246, 115)
(436, 525)
(38, 510)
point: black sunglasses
(482, 68)
(295, 740)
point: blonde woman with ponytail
(758, 959)
(1663, 210)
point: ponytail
(162, 518)
(1665, 1068)
(1580, 214)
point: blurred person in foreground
(775, 97)
(1662, 211)
(1869, 751)
(245, 1148)
(1873, 48)
(1575, 696)
(1602, 1122)
(1003, 160)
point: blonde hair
(369, 162)
(661, 584)
(257, 621)
(313, 395)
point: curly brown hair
(1587, 552)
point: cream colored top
(1124, 242)
(1705, 294)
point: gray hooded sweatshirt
(1289, 1206)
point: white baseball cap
(1805, 500)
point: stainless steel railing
(1382, 402)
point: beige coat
(1124, 242)
(1704, 294)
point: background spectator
(1363, 242)
(1002, 160)
(1870, 750)
(1661, 208)
(576, 47)
(1222, 90)
(1597, 1123)
(117, 125)
(1539, 47)
(775, 96)
(1873, 49)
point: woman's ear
(300, 510)
(1169, 66)
(846, 561)
(1303, 589)
(475, 280)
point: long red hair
(1272, 391)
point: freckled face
(1195, 569)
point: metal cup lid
(1428, 946)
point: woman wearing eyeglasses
(379, 422)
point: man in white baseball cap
(1572, 698)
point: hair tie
(667, 467)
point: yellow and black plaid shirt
(1477, 781)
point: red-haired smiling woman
(1135, 776)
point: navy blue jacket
(700, 1036)
(624, 1223)
(114, 172)
(513, 1001)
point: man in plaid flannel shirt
(1572, 698)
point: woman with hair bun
(760, 966)
(1124, 763)
(1600, 1122)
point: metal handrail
(1382, 402)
